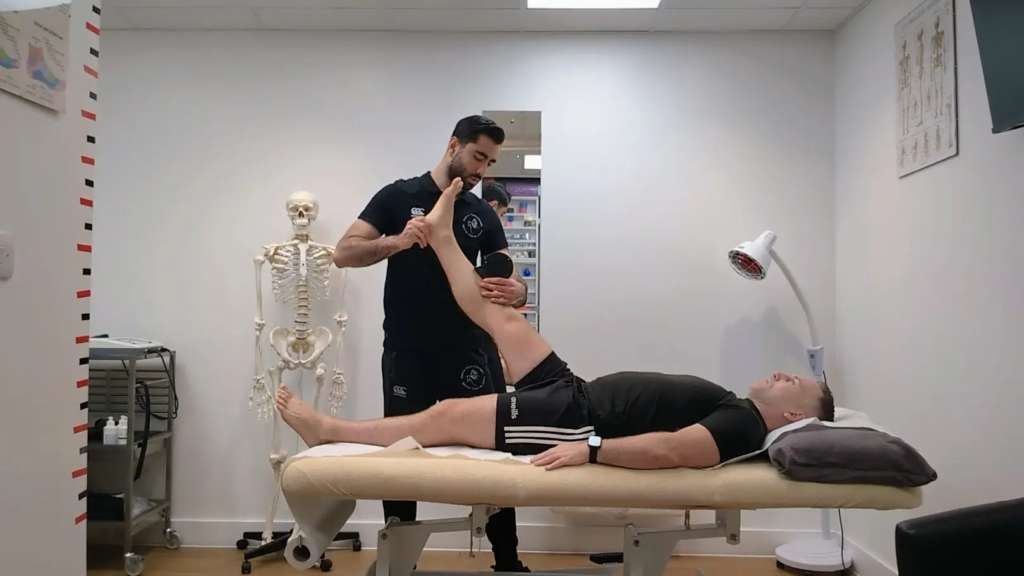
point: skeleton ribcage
(286, 274)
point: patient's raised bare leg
(522, 347)
(457, 422)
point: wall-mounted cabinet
(516, 163)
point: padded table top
(464, 476)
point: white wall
(928, 314)
(41, 181)
(663, 155)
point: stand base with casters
(279, 541)
(813, 558)
(133, 564)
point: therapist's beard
(457, 170)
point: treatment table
(323, 484)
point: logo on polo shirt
(473, 377)
(472, 225)
(417, 212)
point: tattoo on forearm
(526, 293)
(359, 252)
(521, 301)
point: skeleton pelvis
(300, 352)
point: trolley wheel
(172, 539)
(357, 545)
(246, 567)
(133, 564)
(326, 564)
(242, 544)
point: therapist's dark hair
(469, 129)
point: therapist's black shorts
(549, 407)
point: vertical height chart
(34, 55)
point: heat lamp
(752, 260)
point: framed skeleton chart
(926, 80)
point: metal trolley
(139, 384)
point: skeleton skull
(303, 209)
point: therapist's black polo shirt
(419, 308)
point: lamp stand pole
(826, 554)
(816, 352)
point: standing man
(432, 350)
(497, 197)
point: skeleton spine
(302, 311)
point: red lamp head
(752, 259)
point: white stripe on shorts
(546, 435)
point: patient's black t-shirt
(631, 403)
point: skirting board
(536, 538)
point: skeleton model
(905, 89)
(938, 67)
(300, 272)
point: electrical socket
(6, 256)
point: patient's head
(785, 398)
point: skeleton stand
(300, 271)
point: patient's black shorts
(549, 407)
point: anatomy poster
(34, 54)
(12, 62)
(926, 81)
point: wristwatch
(595, 444)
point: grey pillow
(837, 455)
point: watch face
(594, 441)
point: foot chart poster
(34, 54)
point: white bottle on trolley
(110, 432)
(122, 431)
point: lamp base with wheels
(817, 556)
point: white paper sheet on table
(344, 449)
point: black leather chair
(973, 541)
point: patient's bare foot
(306, 421)
(440, 217)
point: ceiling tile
(819, 18)
(324, 19)
(365, 4)
(457, 20)
(193, 18)
(721, 20)
(454, 4)
(112, 19)
(140, 3)
(243, 3)
(730, 4)
(522, 128)
(835, 3)
(588, 20)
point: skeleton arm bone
(339, 389)
(259, 391)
